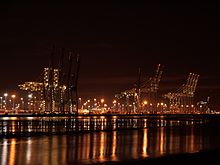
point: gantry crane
(146, 89)
(58, 90)
(181, 100)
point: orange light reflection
(145, 143)
(12, 152)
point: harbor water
(111, 145)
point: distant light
(13, 96)
(5, 94)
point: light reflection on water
(106, 146)
(59, 125)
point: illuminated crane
(57, 89)
(181, 100)
(150, 89)
(146, 89)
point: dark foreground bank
(202, 156)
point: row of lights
(13, 96)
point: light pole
(80, 103)
(102, 102)
(22, 103)
(145, 106)
(5, 94)
(1, 102)
(13, 97)
(114, 105)
(30, 96)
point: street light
(13, 97)
(80, 103)
(1, 102)
(22, 103)
(5, 94)
(102, 101)
(145, 102)
(30, 96)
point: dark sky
(113, 39)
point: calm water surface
(99, 147)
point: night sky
(113, 39)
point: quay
(47, 124)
